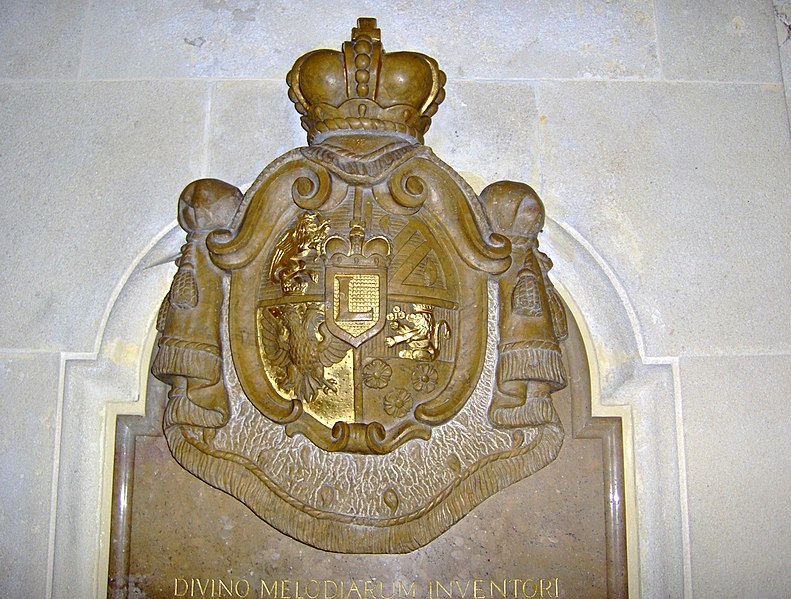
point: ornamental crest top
(360, 348)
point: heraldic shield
(360, 348)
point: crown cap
(363, 88)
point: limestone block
(727, 40)
(92, 172)
(240, 38)
(683, 190)
(252, 123)
(41, 39)
(29, 391)
(783, 25)
(736, 415)
(488, 131)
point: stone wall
(657, 134)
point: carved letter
(345, 312)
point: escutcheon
(360, 348)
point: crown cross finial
(366, 26)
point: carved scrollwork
(427, 183)
(358, 437)
(311, 187)
(408, 189)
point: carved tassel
(184, 290)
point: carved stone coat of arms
(360, 348)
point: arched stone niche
(114, 382)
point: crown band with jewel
(363, 88)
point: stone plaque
(362, 351)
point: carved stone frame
(625, 384)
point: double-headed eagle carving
(298, 344)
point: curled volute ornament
(334, 326)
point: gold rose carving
(332, 325)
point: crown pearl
(363, 46)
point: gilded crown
(363, 88)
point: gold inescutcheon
(356, 302)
